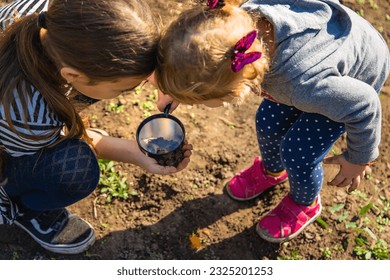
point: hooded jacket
(330, 61)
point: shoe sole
(253, 196)
(271, 239)
(64, 249)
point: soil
(188, 215)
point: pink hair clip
(239, 57)
(215, 3)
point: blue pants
(296, 141)
(53, 178)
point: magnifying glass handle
(167, 108)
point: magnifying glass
(161, 136)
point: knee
(288, 154)
(75, 166)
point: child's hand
(349, 174)
(152, 166)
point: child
(321, 67)
(75, 52)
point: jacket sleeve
(349, 101)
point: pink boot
(251, 182)
(287, 220)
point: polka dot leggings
(297, 142)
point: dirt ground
(158, 221)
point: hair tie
(41, 21)
(239, 57)
(215, 3)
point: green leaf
(335, 208)
(350, 225)
(321, 222)
(370, 233)
(365, 209)
(343, 216)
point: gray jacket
(330, 61)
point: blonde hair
(194, 55)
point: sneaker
(8, 209)
(287, 220)
(59, 231)
(253, 181)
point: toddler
(320, 67)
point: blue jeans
(52, 178)
(296, 141)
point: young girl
(320, 66)
(53, 64)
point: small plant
(294, 256)
(335, 151)
(103, 226)
(336, 208)
(378, 250)
(153, 96)
(115, 107)
(373, 4)
(147, 107)
(15, 256)
(113, 184)
(367, 245)
(326, 253)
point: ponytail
(24, 65)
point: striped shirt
(39, 120)
(20, 8)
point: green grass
(372, 220)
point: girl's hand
(349, 174)
(124, 150)
(151, 165)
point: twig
(94, 208)
(229, 123)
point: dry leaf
(195, 241)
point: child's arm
(124, 150)
(356, 105)
(350, 102)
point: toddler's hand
(349, 174)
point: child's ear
(70, 74)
